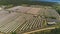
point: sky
(50, 0)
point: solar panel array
(49, 13)
(32, 24)
(36, 11)
(23, 19)
(12, 21)
(3, 13)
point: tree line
(19, 2)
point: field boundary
(49, 28)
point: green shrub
(13, 32)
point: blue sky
(50, 0)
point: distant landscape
(54, 5)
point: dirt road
(40, 30)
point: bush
(13, 32)
(52, 17)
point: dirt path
(40, 30)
